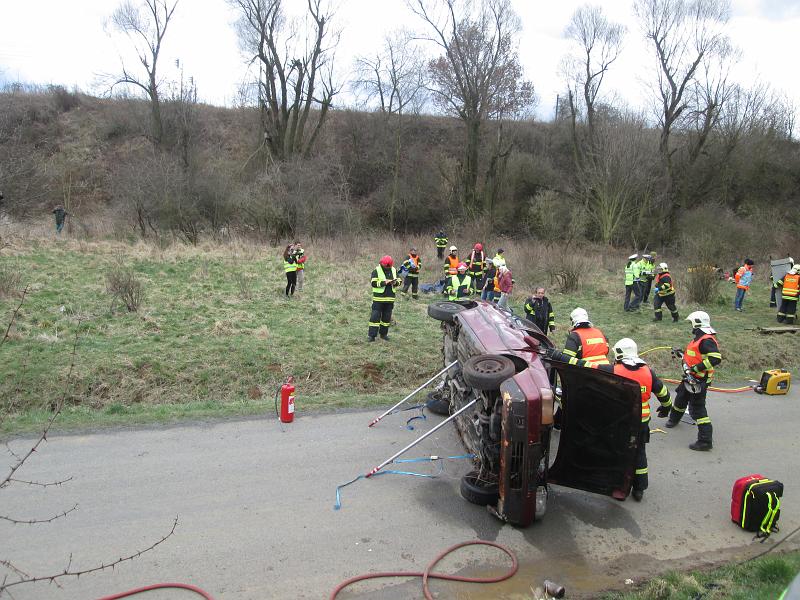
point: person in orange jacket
(743, 278)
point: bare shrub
(123, 286)
(244, 284)
(10, 277)
(702, 283)
(567, 269)
(63, 99)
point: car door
(601, 417)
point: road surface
(256, 518)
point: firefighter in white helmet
(664, 293)
(627, 364)
(585, 340)
(699, 359)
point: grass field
(215, 336)
(761, 579)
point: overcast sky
(60, 42)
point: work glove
(663, 410)
(550, 353)
(552, 328)
(676, 353)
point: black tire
(437, 405)
(477, 491)
(444, 311)
(487, 371)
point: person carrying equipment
(451, 262)
(664, 293)
(440, 239)
(699, 359)
(790, 289)
(743, 278)
(476, 263)
(460, 284)
(631, 284)
(411, 267)
(384, 280)
(585, 341)
(300, 258)
(627, 364)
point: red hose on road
(159, 586)
(426, 574)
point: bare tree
(685, 35)
(478, 75)
(395, 77)
(295, 71)
(598, 44)
(145, 25)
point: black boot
(671, 423)
(638, 495)
(657, 316)
(675, 318)
(701, 446)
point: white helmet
(633, 256)
(663, 266)
(700, 320)
(578, 316)
(796, 269)
(453, 249)
(626, 351)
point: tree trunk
(470, 183)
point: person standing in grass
(539, 310)
(411, 267)
(505, 282)
(300, 258)
(61, 216)
(459, 285)
(630, 283)
(743, 278)
(290, 268)
(487, 284)
(440, 239)
(384, 279)
(664, 291)
(648, 274)
(790, 290)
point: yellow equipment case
(774, 382)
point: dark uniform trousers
(697, 409)
(640, 478)
(412, 281)
(669, 301)
(788, 311)
(380, 318)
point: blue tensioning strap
(338, 503)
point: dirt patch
(274, 367)
(372, 372)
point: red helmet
(479, 247)
(462, 266)
(387, 261)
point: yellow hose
(746, 388)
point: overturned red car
(510, 425)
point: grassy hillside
(216, 336)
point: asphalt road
(256, 518)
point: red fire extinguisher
(287, 401)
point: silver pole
(424, 385)
(422, 437)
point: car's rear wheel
(444, 311)
(487, 371)
(437, 405)
(479, 491)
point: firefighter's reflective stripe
(641, 471)
(791, 286)
(451, 265)
(665, 288)
(703, 421)
(644, 377)
(594, 346)
(441, 242)
(692, 357)
(379, 285)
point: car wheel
(437, 405)
(487, 371)
(478, 491)
(444, 311)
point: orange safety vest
(451, 264)
(644, 376)
(692, 355)
(594, 346)
(661, 291)
(791, 286)
(739, 272)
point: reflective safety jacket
(701, 355)
(540, 311)
(383, 284)
(664, 284)
(630, 273)
(441, 242)
(499, 261)
(458, 286)
(648, 383)
(790, 284)
(451, 264)
(475, 262)
(289, 265)
(587, 343)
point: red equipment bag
(756, 504)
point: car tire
(437, 405)
(477, 491)
(444, 311)
(487, 371)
